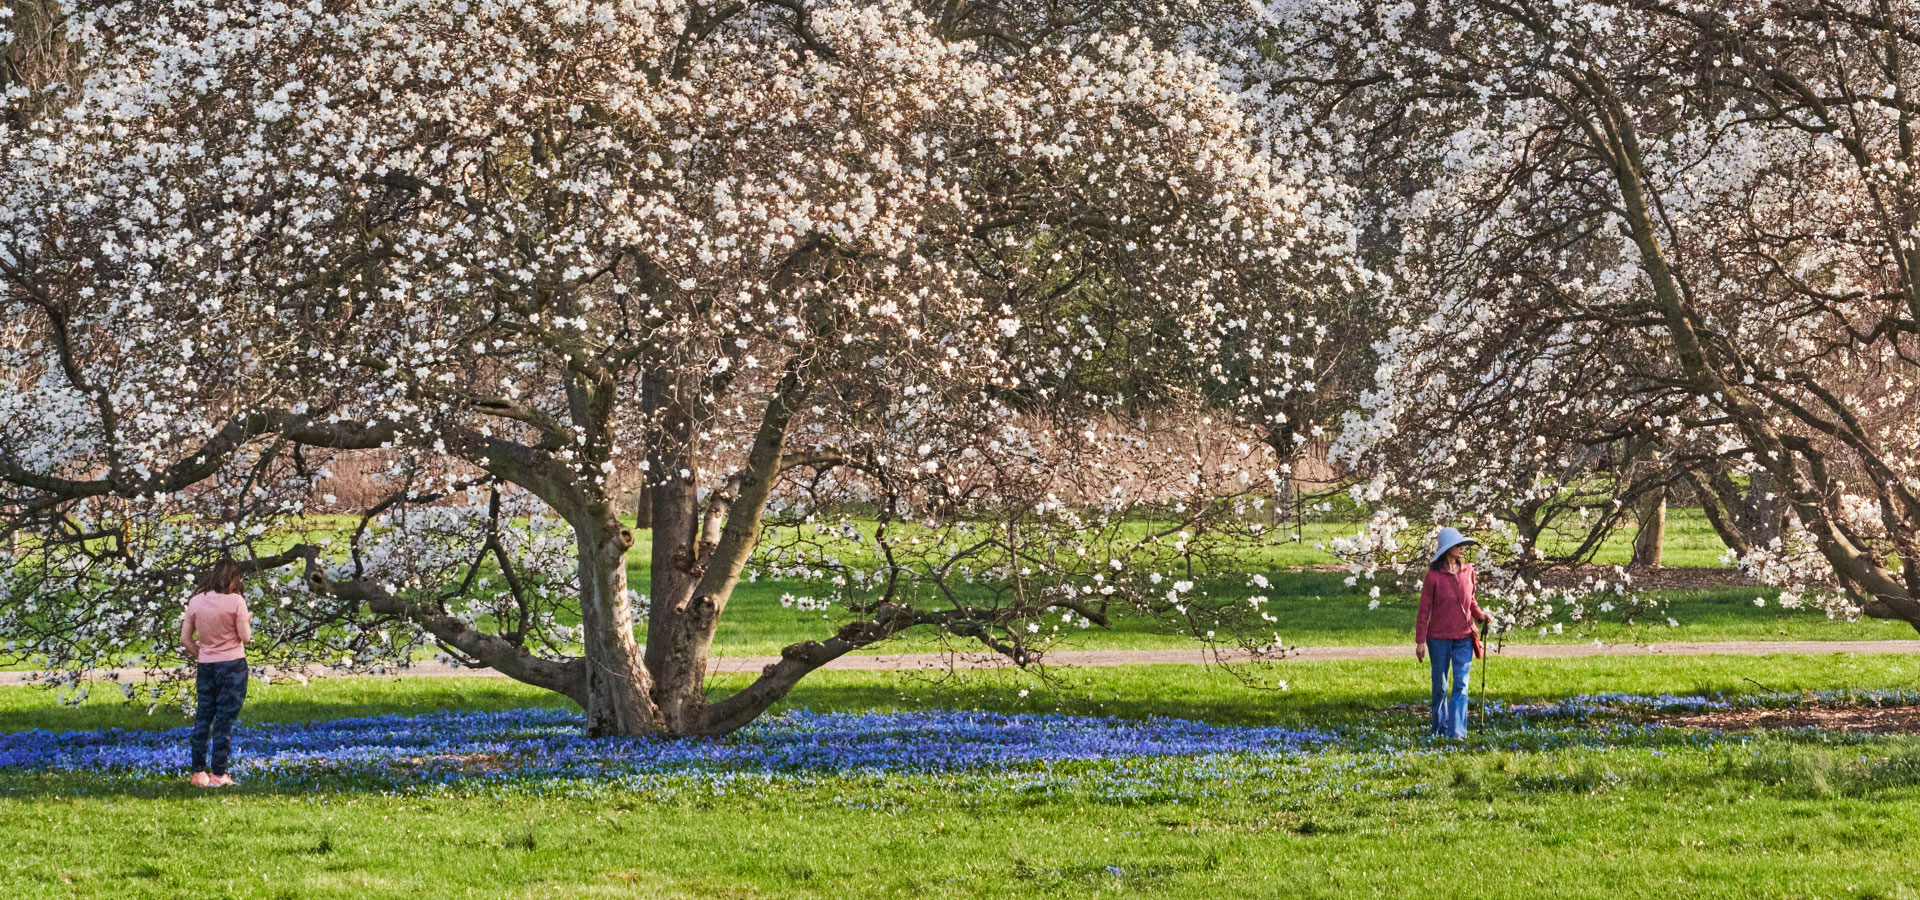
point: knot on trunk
(883, 623)
(686, 560)
(801, 652)
(702, 609)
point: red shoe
(201, 779)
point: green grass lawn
(1690, 541)
(1316, 693)
(1320, 609)
(1596, 810)
(1781, 816)
(1714, 840)
(1317, 609)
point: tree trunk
(1525, 519)
(1286, 497)
(1652, 534)
(618, 685)
(1286, 487)
(676, 657)
(679, 674)
(699, 552)
(38, 55)
(643, 508)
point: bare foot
(201, 779)
(222, 780)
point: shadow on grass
(32, 786)
(1225, 704)
(23, 708)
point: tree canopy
(776, 258)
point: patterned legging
(220, 688)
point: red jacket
(1447, 608)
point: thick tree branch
(747, 511)
(563, 677)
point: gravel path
(914, 661)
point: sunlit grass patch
(1582, 797)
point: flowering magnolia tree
(34, 55)
(959, 269)
(1674, 239)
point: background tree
(35, 58)
(1710, 197)
(1422, 154)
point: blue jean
(1450, 710)
(219, 689)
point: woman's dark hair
(1439, 563)
(224, 577)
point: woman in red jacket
(1445, 628)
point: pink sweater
(1447, 608)
(222, 625)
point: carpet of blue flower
(547, 745)
(543, 749)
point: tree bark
(1527, 528)
(618, 686)
(699, 551)
(679, 673)
(643, 508)
(1720, 516)
(798, 660)
(38, 55)
(507, 657)
(1286, 488)
(1650, 538)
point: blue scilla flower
(546, 745)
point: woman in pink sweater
(214, 633)
(1445, 628)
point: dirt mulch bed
(1858, 719)
(1664, 578)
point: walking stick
(1486, 656)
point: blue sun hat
(1449, 539)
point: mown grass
(1316, 693)
(1317, 609)
(1320, 609)
(1715, 840)
(1777, 817)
